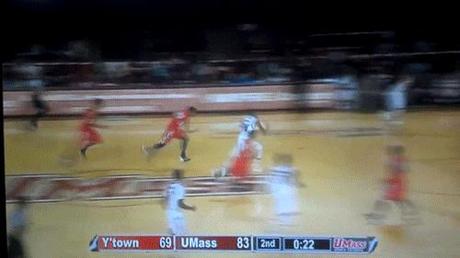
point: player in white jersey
(174, 201)
(248, 129)
(283, 186)
(396, 103)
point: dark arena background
(360, 107)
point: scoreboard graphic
(282, 244)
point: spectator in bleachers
(205, 73)
(160, 72)
(244, 78)
(32, 76)
(116, 71)
(347, 91)
(9, 77)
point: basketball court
(340, 157)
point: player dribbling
(246, 155)
(246, 139)
(174, 201)
(248, 129)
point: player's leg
(183, 148)
(159, 145)
(395, 121)
(181, 226)
(148, 150)
(279, 198)
(409, 208)
(176, 224)
(90, 137)
(258, 152)
(381, 207)
(399, 121)
(171, 224)
(40, 112)
(239, 168)
(409, 212)
(285, 218)
(222, 171)
(225, 169)
(165, 139)
(84, 142)
(239, 146)
(84, 149)
(388, 118)
(34, 120)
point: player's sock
(257, 166)
(158, 145)
(183, 147)
(183, 154)
(83, 150)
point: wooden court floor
(340, 157)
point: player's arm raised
(185, 206)
(262, 126)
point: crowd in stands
(174, 71)
(348, 68)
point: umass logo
(341, 244)
(55, 188)
(349, 243)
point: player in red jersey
(88, 134)
(395, 188)
(176, 129)
(240, 165)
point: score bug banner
(288, 244)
